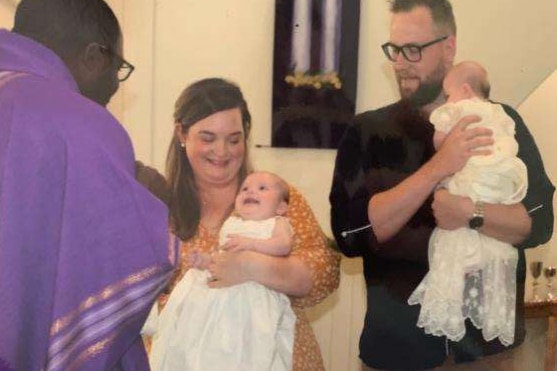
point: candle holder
(549, 274)
(536, 268)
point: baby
(470, 274)
(243, 327)
(258, 222)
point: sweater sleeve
(349, 198)
(539, 198)
(375, 155)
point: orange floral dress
(310, 245)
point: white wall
(6, 13)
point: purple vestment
(84, 248)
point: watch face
(476, 222)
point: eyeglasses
(125, 68)
(410, 52)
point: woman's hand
(197, 259)
(229, 268)
(235, 242)
(288, 275)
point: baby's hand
(236, 242)
(198, 259)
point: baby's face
(260, 197)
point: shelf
(545, 309)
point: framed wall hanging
(314, 71)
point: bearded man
(385, 199)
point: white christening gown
(245, 327)
(472, 275)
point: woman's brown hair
(198, 101)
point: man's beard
(428, 91)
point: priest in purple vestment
(84, 248)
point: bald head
(85, 34)
(473, 74)
(67, 26)
(278, 181)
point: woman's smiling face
(216, 147)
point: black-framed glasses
(410, 52)
(125, 68)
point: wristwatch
(477, 219)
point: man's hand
(461, 144)
(450, 211)
(229, 268)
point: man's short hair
(441, 12)
(67, 26)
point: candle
(301, 35)
(330, 39)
